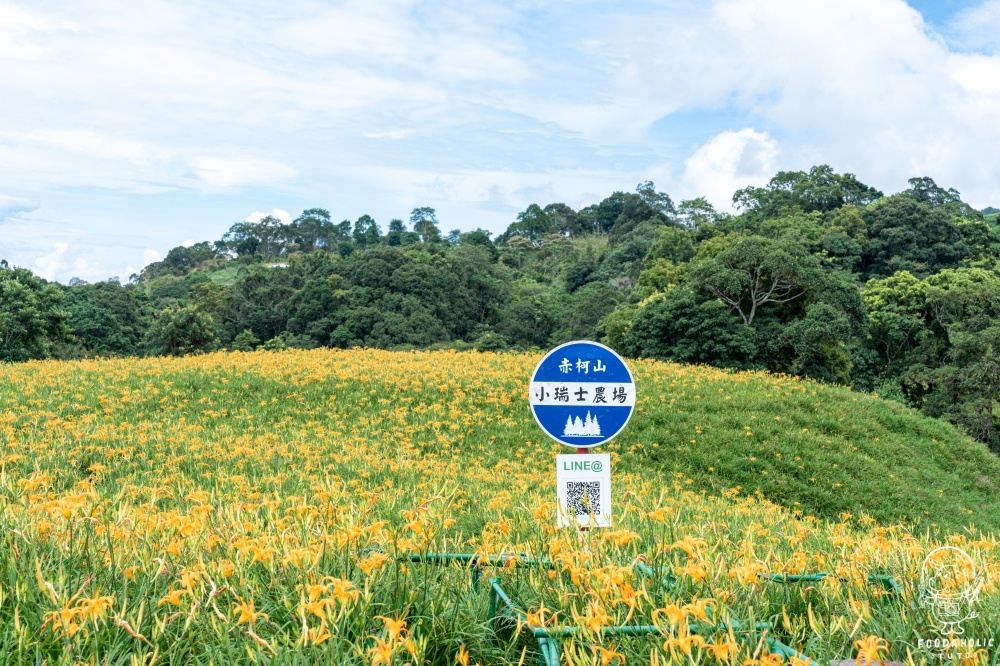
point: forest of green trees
(817, 275)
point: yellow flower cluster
(270, 501)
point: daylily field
(281, 508)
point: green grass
(226, 276)
(821, 449)
(266, 473)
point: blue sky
(130, 128)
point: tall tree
(679, 326)
(821, 189)
(394, 237)
(564, 219)
(904, 234)
(697, 213)
(754, 272)
(107, 318)
(424, 222)
(941, 340)
(268, 237)
(32, 320)
(924, 190)
(657, 201)
(181, 331)
(312, 229)
(366, 232)
(532, 223)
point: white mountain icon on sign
(586, 428)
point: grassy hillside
(818, 448)
(244, 508)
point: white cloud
(14, 205)
(130, 117)
(979, 76)
(977, 27)
(466, 42)
(16, 26)
(80, 266)
(150, 256)
(50, 264)
(97, 145)
(18, 20)
(282, 216)
(498, 189)
(230, 171)
(379, 30)
(729, 161)
(865, 86)
(187, 243)
(389, 134)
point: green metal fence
(886, 582)
(501, 605)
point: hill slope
(817, 448)
(268, 507)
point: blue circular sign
(582, 394)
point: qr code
(583, 497)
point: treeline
(818, 275)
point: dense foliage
(31, 322)
(818, 275)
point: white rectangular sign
(583, 482)
(582, 394)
